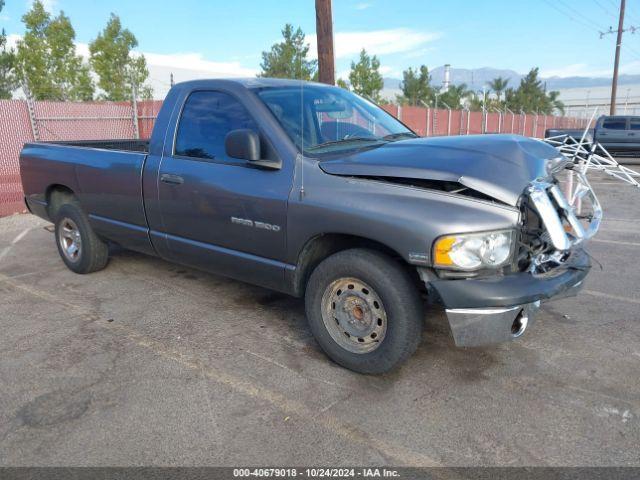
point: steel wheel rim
(70, 239)
(354, 315)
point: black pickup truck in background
(619, 134)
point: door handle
(171, 179)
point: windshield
(325, 119)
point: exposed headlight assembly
(474, 251)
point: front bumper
(497, 309)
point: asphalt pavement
(150, 363)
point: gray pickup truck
(619, 134)
(314, 191)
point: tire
(72, 225)
(364, 310)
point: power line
(577, 12)
(634, 53)
(571, 16)
(632, 14)
(605, 9)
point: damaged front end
(550, 263)
(552, 224)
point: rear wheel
(364, 310)
(80, 248)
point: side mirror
(243, 144)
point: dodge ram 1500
(311, 190)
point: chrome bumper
(474, 327)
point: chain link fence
(24, 121)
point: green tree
(32, 54)
(365, 76)
(531, 96)
(118, 69)
(70, 74)
(499, 85)
(342, 84)
(46, 59)
(416, 87)
(454, 96)
(7, 61)
(288, 59)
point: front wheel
(364, 310)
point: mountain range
(478, 77)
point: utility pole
(614, 83)
(134, 108)
(324, 33)
(171, 80)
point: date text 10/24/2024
(316, 472)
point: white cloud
(343, 74)
(377, 42)
(631, 68)
(387, 71)
(419, 53)
(12, 40)
(585, 70)
(190, 61)
(573, 70)
(363, 6)
(195, 61)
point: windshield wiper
(346, 140)
(396, 136)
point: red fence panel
(114, 120)
(84, 121)
(147, 113)
(15, 130)
(415, 118)
(390, 108)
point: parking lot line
(6, 250)
(627, 220)
(595, 293)
(616, 242)
(288, 406)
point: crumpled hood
(500, 166)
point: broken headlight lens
(474, 251)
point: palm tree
(554, 102)
(454, 96)
(499, 85)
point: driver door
(210, 203)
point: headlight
(473, 251)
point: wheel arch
(57, 195)
(319, 247)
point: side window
(206, 119)
(634, 124)
(615, 124)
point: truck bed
(105, 175)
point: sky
(226, 37)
